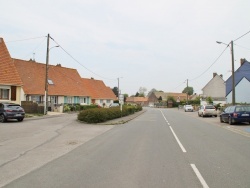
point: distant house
(64, 84)
(10, 81)
(100, 94)
(143, 101)
(242, 84)
(154, 97)
(215, 89)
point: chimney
(214, 74)
(59, 65)
(221, 75)
(242, 61)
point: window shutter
(13, 93)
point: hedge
(98, 115)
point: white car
(207, 110)
(188, 108)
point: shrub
(98, 115)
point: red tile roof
(8, 72)
(136, 99)
(97, 89)
(66, 81)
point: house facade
(10, 81)
(64, 84)
(154, 97)
(215, 89)
(100, 94)
(242, 84)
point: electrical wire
(241, 46)
(26, 39)
(242, 36)
(35, 48)
(210, 65)
(80, 63)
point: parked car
(11, 111)
(207, 110)
(113, 105)
(235, 114)
(188, 108)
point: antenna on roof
(34, 56)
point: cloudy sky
(153, 44)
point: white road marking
(178, 141)
(198, 174)
(176, 138)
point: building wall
(215, 88)
(242, 92)
(18, 94)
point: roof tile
(8, 72)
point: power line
(79, 62)
(210, 65)
(242, 36)
(35, 47)
(26, 39)
(241, 46)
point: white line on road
(198, 174)
(177, 139)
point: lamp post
(233, 79)
(46, 75)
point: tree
(188, 90)
(209, 100)
(142, 91)
(137, 94)
(160, 99)
(115, 90)
(125, 97)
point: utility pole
(233, 80)
(118, 87)
(46, 77)
(187, 91)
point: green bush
(98, 115)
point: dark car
(236, 114)
(11, 111)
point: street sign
(121, 97)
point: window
(84, 100)
(50, 82)
(108, 101)
(101, 101)
(69, 100)
(4, 94)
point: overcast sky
(153, 44)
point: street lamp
(233, 79)
(46, 75)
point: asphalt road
(160, 148)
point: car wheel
(230, 122)
(221, 120)
(2, 118)
(202, 115)
(20, 119)
(215, 116)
